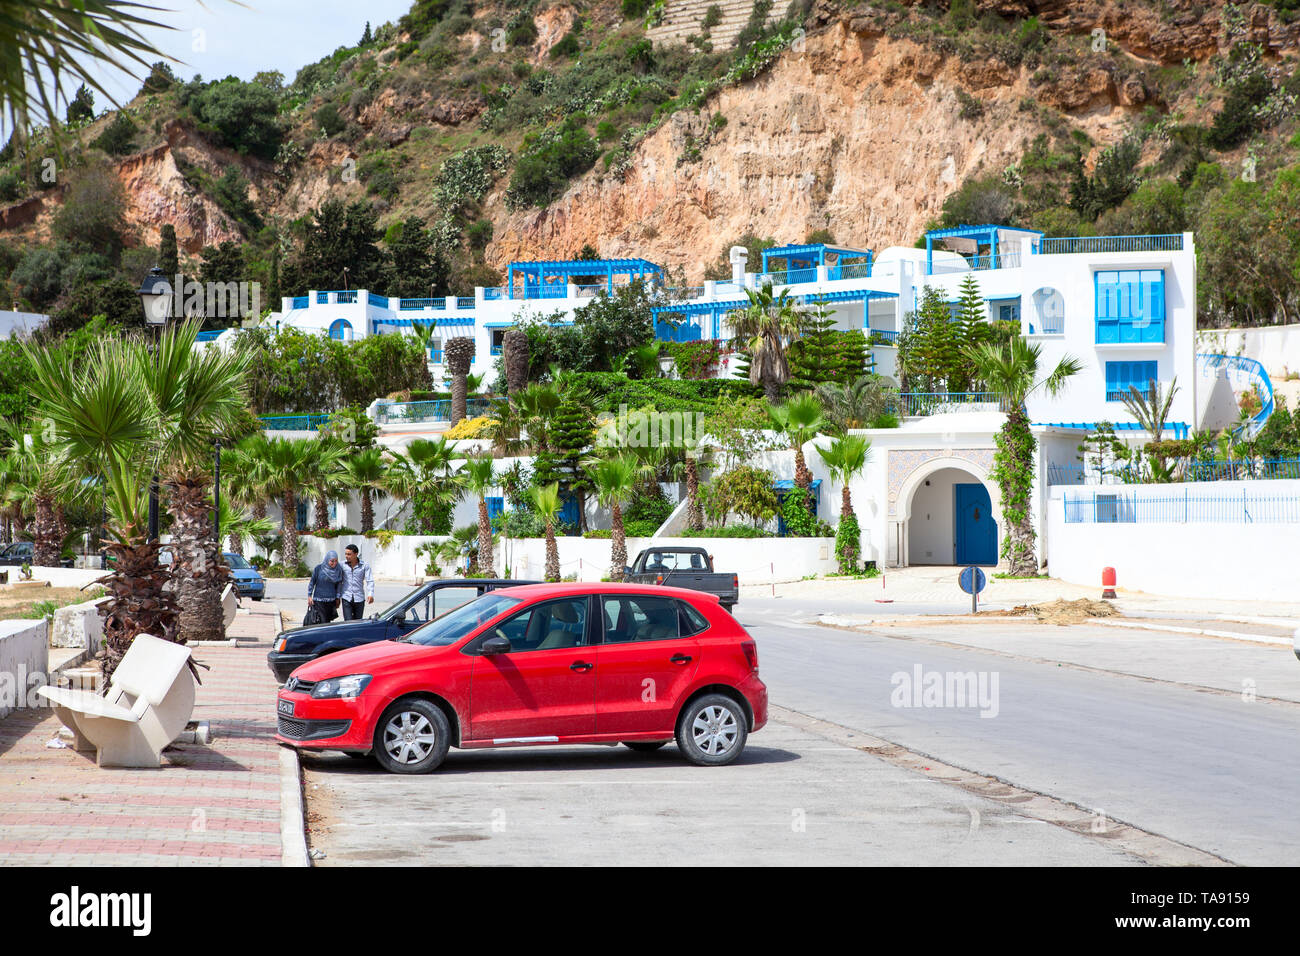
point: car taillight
(659, 579)
(751, 654)
(735, 581)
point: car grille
(296, 729)
(298, 685)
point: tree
(168, 256)
(423, 476)
(367, 37)
(1150, 408)
(569, 438)
(1010, 371)
(92, 214)
(545, 500)
(814, 358)
(846, 457)
(515, 350)
(244, 116)
(160, 79)
(746, 491)
(458, 355)
(286, 469)
(480, 479)
(44, 43)
(327, 479)
(767, 325)
(614, 479)
(365, 471)
(339, 237)
(799, 420)
(858, 404)
(118, 137)
(417, 264)
(82, 107)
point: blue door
(977, 534)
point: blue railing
(787, 277)
(322, 298)
(376, 299)
(465, 302)
(344, 298)
(439, 410)
(301, 301)
(495, 292)
(887, 336)
(685, 293)
(208, 335)
(850, 270)
(1255, 375)
(1066, 245)
(293, 423)
(1242, 469)
(1003, 260)
(408, 305)
(1185, 507)
(548, 290)
(915, 404)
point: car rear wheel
(712, 731)
(412, 736)
(644, 746)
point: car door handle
(581, 666)
(680, 659)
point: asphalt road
(1210, 770)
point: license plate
(285, 707)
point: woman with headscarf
(325, 586)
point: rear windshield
(454, 625)
(675, 561)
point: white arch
(907, 492)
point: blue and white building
(1125, 306)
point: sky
(217, 38)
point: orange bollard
(1108, 582)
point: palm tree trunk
(322, 511)
(289, 531)
(138, 601)
(45, 534)
(846, 502)
(694, 514)
(197, 569)
(237, 543)
(552, 553)
(458, 405)
(367, 511)
(618, 553)
(485, 558)
(802, 475)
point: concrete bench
(149, 701)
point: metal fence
(1192, 471)
(1093, 244)
(1185, 507)
(397, 413)
(914, 404)
(294, 423)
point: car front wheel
(412, 736)
(712, 731)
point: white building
(1125, 307)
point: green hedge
(613, 389)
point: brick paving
(206, 805)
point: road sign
(971, 580)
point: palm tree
(694, 513)
(47, 43)
(856, 404)
(846, 457)
(614, 479)
(199, 396)
(43, 479)
(546, 502)
(799, 420)
(103, 418)
(12, 497)
(328, 480)
(287, 468)
(423, 476)
(366, 471)
(479, 479)
(767, 325)
(1010, 370)
(524, 420)
(244, 480)
(514, 346)
(242, 526)
(1150, 408)
(458, 355)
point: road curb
(293, 826)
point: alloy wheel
(409, 737)
(714, 730)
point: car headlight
(348, 686)
(280, 643)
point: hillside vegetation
(467, 134)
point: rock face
(858, 133)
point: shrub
(329, 121)
(118, 136)
(542, 174)
(244, 116)
(848, 544)
(746, 491)
(799, 520)
(479, 427)
(738, 531)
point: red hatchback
(539, 664)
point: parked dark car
(248, 580)
(24, 552)
(690, 568)
(298, 645)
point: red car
(539, 664)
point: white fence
(1233, 558)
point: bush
(542, 174)
(799, 519)
(739, 531)
(848, 544)
(244, 116)
(329, 120)
(480, 427)
(118, 136)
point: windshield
(454, 625)
(238, 561)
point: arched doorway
(341, 330)
(949, 516)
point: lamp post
(216, 505)
(156, 298)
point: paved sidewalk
(206, 805)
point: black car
(24, 552)
(298, 645)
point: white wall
(1276, 347)
(63, 577)
(20, 323)
(1230, 560)
(24, 650)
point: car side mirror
(495, 645)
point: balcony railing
(465, 302)
(787, 277)
(495, 292)
(403, 413)
(1181, 507)
(301, 301)
(345, 298)
(1067, 245)
(886, 336)
(1003, 260)
(916, 404)
(293, 423)
(408, 305)
(685, 293)
(377, 299)
(851, 270)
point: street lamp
(156, 298)
(216, 505)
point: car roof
(532, 592)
